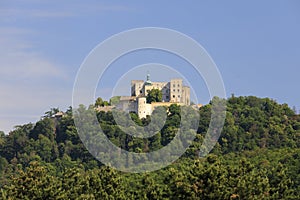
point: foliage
(100, 103)
(256, 157)
(154, 95)
(114, 100)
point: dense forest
(256, 157)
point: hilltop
(256, 157)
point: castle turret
(143, 109)
(148, 82)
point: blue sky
(255, 44)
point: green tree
(99, 102)
(114, 100)
(154, 95)
(51, 112)
(34, 183)
(45, 127)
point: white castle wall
(172, 92)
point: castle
(173, 92)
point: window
(173, 85)
(173, 96)
(179, 96)
(167, 97)
(173, 90)
(178, 90)
(141, 91)
(178, 85)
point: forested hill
(256, 157)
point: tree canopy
(154, 95)
(257, 157)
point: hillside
(256, 157)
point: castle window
(178, 85)
(141, 91)
(178, 90)
(173, 85)
(167, 97)
(179, 96)
(173, 90)
(173, 96)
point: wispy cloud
(22, 12)
(18, 58)
(102, 8)
(64, 11)
(27, 78)
(22, 103)
(31, 82)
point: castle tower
(185, 95)
(148, 82)
(176, 90)
(137, 88)
(143, 109)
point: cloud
(23, 103)
(32, 13)
(102, 8)
(8, 14)
(30, 83)
(18, 58)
